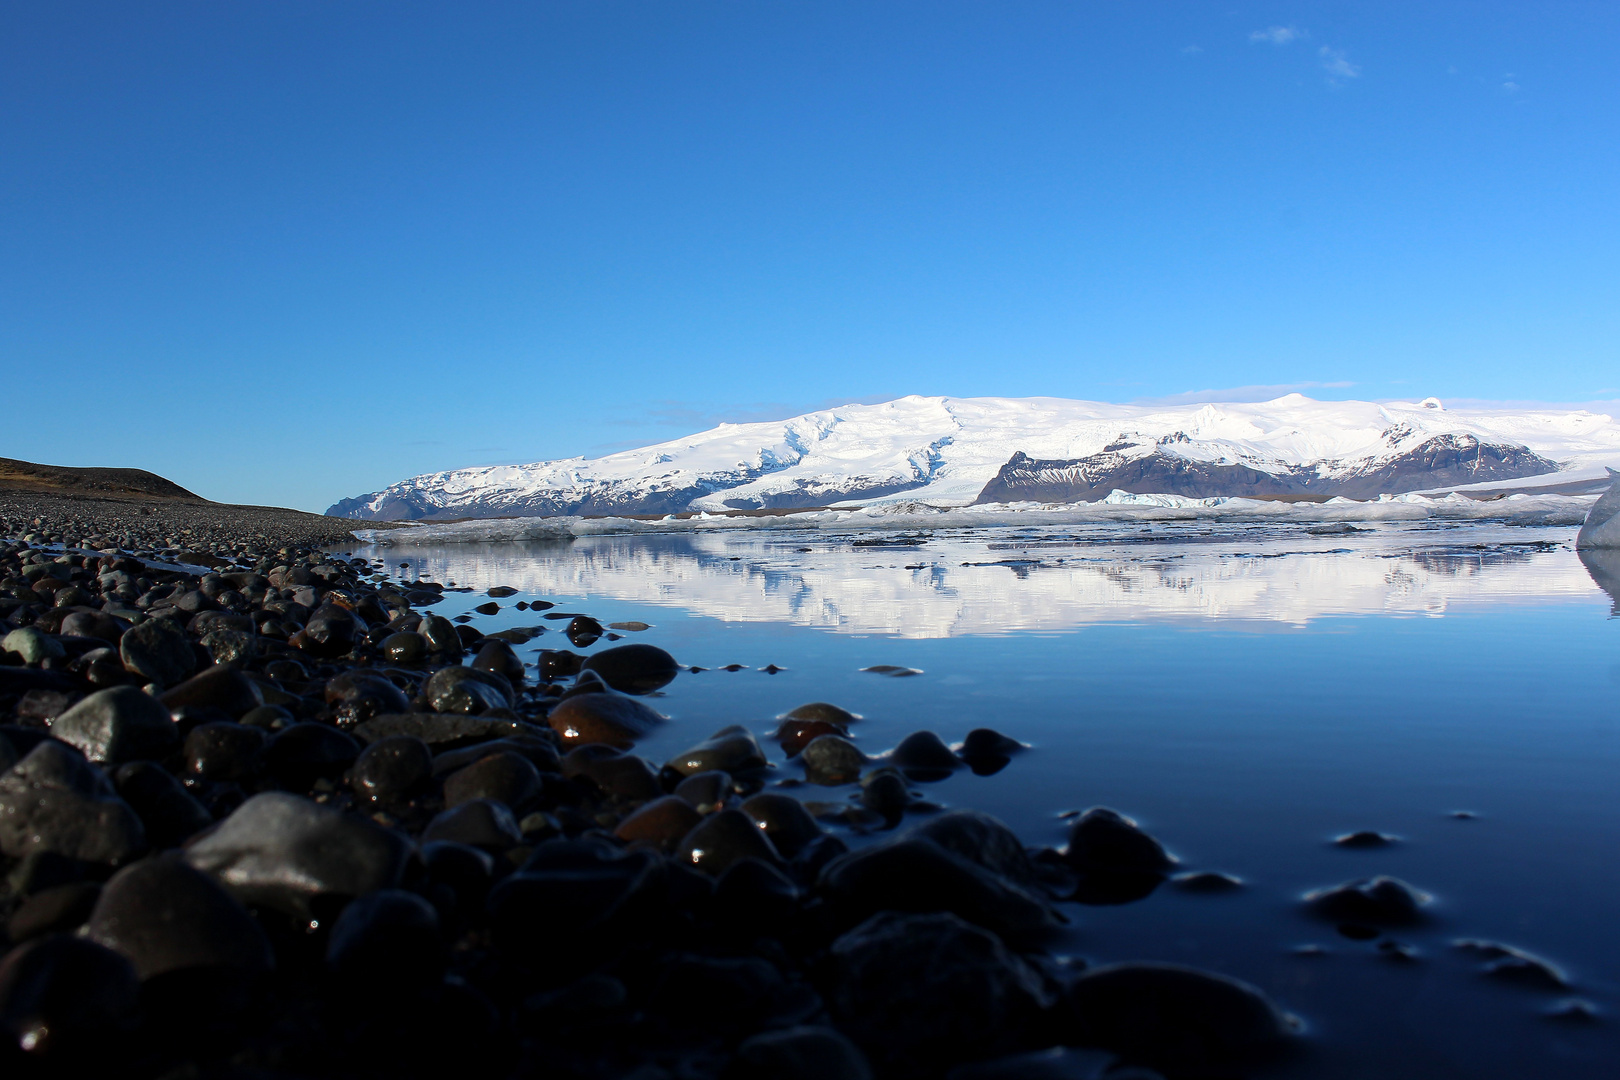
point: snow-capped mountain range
(957, 451)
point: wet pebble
(1206, 881)
(832, 760)
(504, 776)
(300, 754)
(388, 942)
(163, 915)
(118, 724)
(723, 838)
(222, 751)
(731, 749)
(54, 800)
(392, 768)
(801, 1053)
(662, 823)
(1381, 901)
(467, 690)
(169, 813)
(158, 651)
(481, 823)
(60, 909)
(65, 1000)
(783, 819)
(634, 669)
(922, 755)
(1365, 838)
(614, 773)
(1105, 841)
(705, 791)
(602, 718)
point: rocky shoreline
(272, 817)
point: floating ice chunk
(1602, 526)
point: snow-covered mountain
(955, 451)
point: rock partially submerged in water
(1381, 901)
(1170, 1016)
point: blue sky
(292, 252)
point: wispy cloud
(1190, 49)
(1278, 35)
(1511, 87)
(1241, 393)
(1337, 64)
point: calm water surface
(1246, 693)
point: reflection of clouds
(995, 581)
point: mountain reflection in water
(997, 581)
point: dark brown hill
(25, 476)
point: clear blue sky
(290, 252)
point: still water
(1245, 692)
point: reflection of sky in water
(1135, 670)
(1011, 581)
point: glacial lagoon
(1246, 691)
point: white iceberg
(1602, 526)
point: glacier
(943, 452)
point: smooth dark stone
(1053, 1063)
(602, 718)
(65, 999)
(914, 874)
(168, 812)
(283, 851)
(300, 754)
(662, 823)
(388, 941)
(392, 768)
(55, 800)
(223, 688)
(222, 751)
(159, 651)
(634, 669)
(503, 776)
(467, 871)
(497, 656)
(406, 647)
(40, 870)
(832, 760)
(620, 775)
(118, 724)
(801, 1053)
(1364, 839)
(586, 898)
(501, 592)
(920, 992)
(93, 624)
(885, 792)
(1207, 881)
(559, 664)
(537, 747)
(60, 909)
(783, 819)
(1382, 901)
(361, 695)
(440, 634)
(980, 838)
(754, 897)
(794, 735)
(724, 838)
(482, 823)
(208, 622)
(1167, 1015)
(490, 608)
(823, 712)
(1104, 841)
(922, 755)
(331, 632)
(164, 915)
(731, 750)
(467, 691)
(705, 791)
(987, 744)
(583, 631)
(443, 731)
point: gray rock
(224, 688)
(231, 646)
(54, 800)
(31, 646)
(283, 850)
(64, 999)
(1167, 1015)
(164, 915)
(393, 767)
(158, 650)
(118, 724)
(918, 992)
